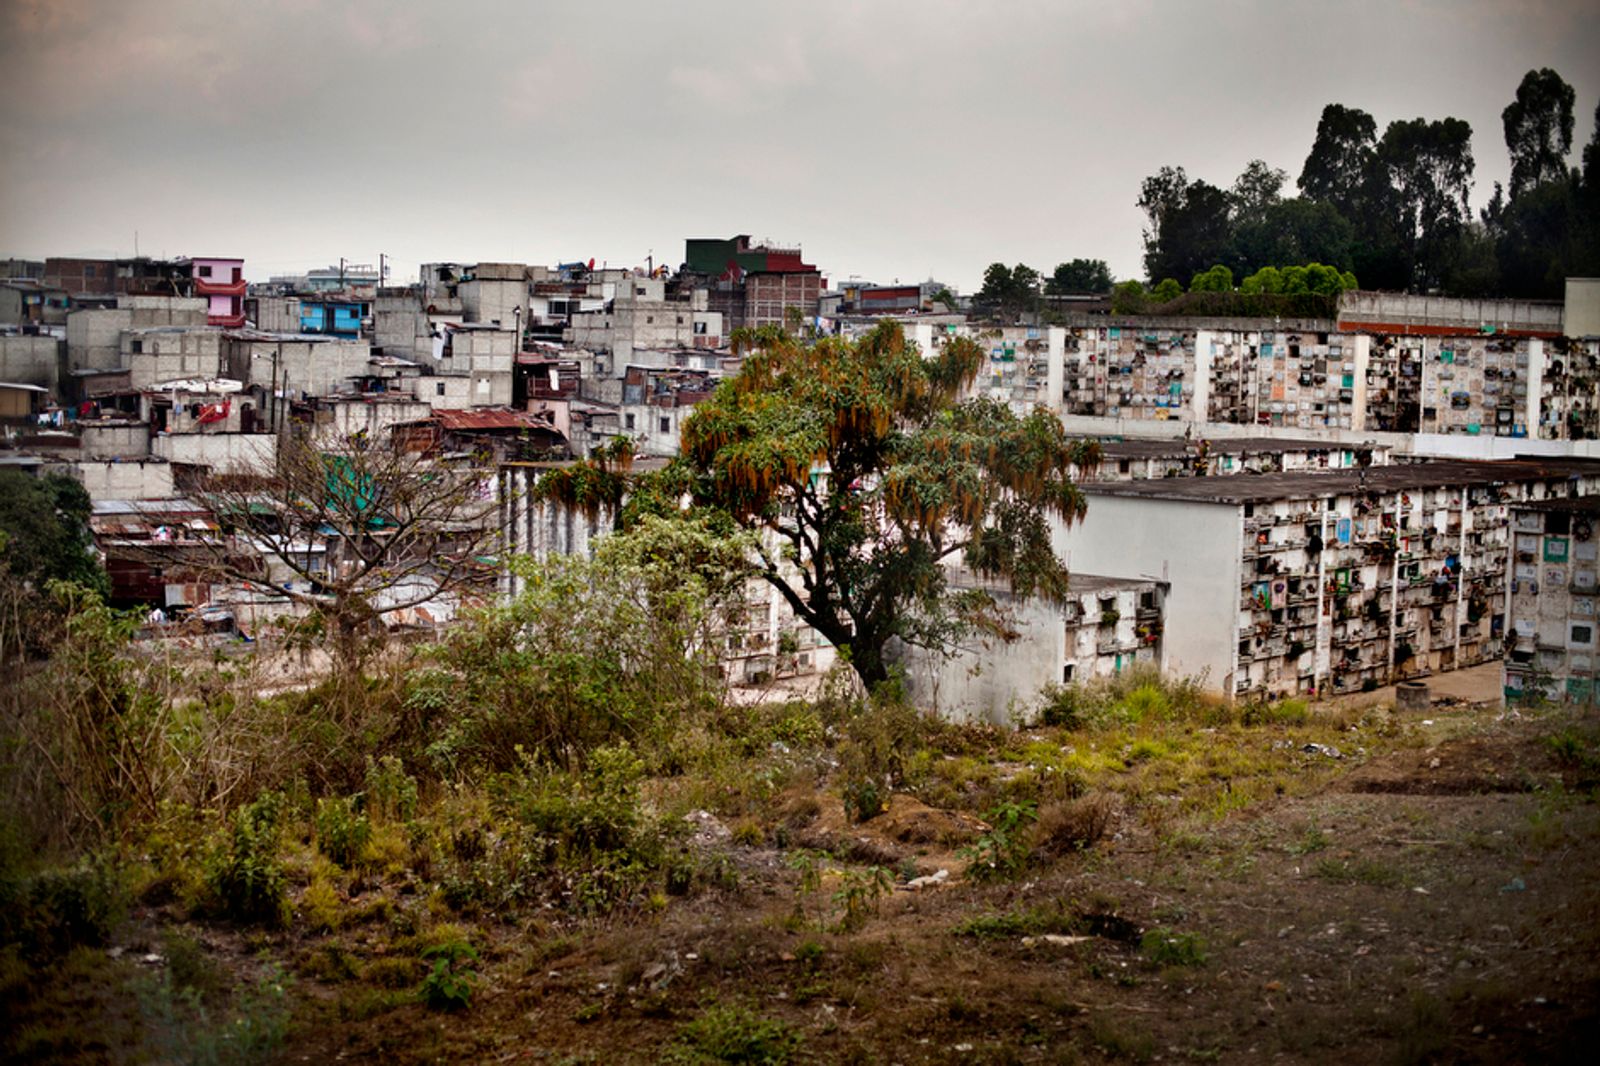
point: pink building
(221, 281)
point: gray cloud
(891, 139)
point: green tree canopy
(44, 531)
(1168, 290)
(1080, 275)
(1008, 291)
(859, 459)
(1538, 128)
(1218, 279)
(1341, 158)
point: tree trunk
(867, 658)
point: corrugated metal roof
(488, 418)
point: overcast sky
(890, 140)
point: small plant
(243, 874)
(1075, 824)
(1001, 852)
(1148, 702)
(1110, 617)
(1167, 948)
(1360, 872)
(341, 832)
(391, 792)
(1062, 706)
(858, 895)
(448, 985)
(1312, 840)
(734, 1034)
(863, 799)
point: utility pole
(383, 269)
(341, 272)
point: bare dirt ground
(1437, 904)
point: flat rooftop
(1177, 447)
(1300, 485)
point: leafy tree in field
(1128, 298)
(1218, 279)
(44, 537)
(1080, 275)
(44, 531)
(1341, 159)
(858, 459)
(1192, 229)
(1008, 291)
(1429, 169)
(1267, 280)
(1167, 291)
(1538, 128)
(1297, 230)
(1256, 191)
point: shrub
(734, 1034)
(1167, 948)
(320, 902)
(1063, 706)
(448, 985)
(243, 875)
(1001, 852)
(1148, 701)
(863, 799)
(858, 895)
(341, 832)
(1074, 825)
(391, 792)
(59, 909)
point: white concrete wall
(136, 479)
(440, 392)
(126, 440)
(1196, 546)
(1390, 307)
(1581, 312)
(94, 338)
(990, 680)
(31, 361)
(225, 453)
(317, 368)
(165, 354)
(374, 419)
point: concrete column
(1055, 368)
(922, 334)
(1530, 413)
(1358, 398)
(1201, 411)
(1322, 648)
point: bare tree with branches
(366, 527)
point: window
(1582, 634)
(639, 290)
(680, 320)
(1066, 674)
(627, 421)
(205, 272)
(438, 387)
(666, 424)
(700, 329)
(138, 346)
(649, 319)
